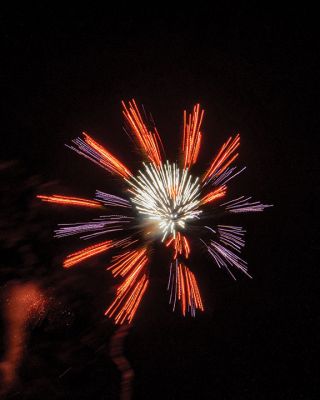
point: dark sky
(253, 72)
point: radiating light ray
(225, 257)
(180, 244)
(148, 141)
(224, 158)
(126, 262)
(106, 224)
(166, 195)
(128, 297)
(126, 242)
(226, 176)
(70, 201)
(92, 150)
(112, 200)
(88, 252)
(214, 195)
(183, 287)
(243, 205)
(232, 236)
(191, 136)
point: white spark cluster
(166, 194)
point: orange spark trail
(149, 141)
(107, 159)
(215, 194)
(224, 158)
(70, 201)
(192, 135)
(124, 263)
(181, 245)
(77, 257)
(187, 289)
(130, 292)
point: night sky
(253, 72)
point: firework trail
(163, 202)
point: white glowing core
(167, 195)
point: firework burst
(163, 201)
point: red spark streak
(124, 263)
(215, 194)
(187, 289)
(77, 257)
(192, 136)
(70, 201)
(107, 159)
(129, 295)
(148, 141)
(223, 160)
(130, 292)
(181, 245)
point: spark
(70, 201)
(92, 150)
(112, 200)
(184, 288)
(84, 254)
(124, 263)
(192, 136)
(224, 158)
(181, 245)
(243, 205)
(215, 194)
(167, 195)
(163, 201)
(106, 224)
(148, 141)
(129, 295)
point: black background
(253, 72)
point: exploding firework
(163, 202)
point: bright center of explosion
(166, 195)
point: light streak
(70, 201)
(191, 136)
(128, 298)
(128, 261)
(148, 141)
(225, 177)
(224, 158)
(225, 257)
(183, 287)
(88, 252)
(112, 200)
(181, 245)
(106, 224)
(92, 150)
(215, 194)
(232, 236)
(243, 205)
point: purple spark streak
(105, 224)
(225, 177)
(225, 258)
(112, 200)
(232, 236)
(242, 205)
